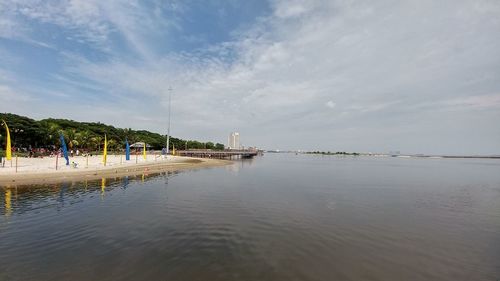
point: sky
(368, 76)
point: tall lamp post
(169, 109)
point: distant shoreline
(35, 171)
(459, 157)
(388, 155)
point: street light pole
(169, 109)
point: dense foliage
(26, 133)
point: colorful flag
(127, 150)
(8, 147)
(64, 148)
(105, 153)
(144, 151)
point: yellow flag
(144, 151)
(8, 147)
(105, 154)
(173, 149)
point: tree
(72, 138)
(84, 138)
(27, 132)
(112, 144)
(96, 142)
(209, 145)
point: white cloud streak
(386, 64)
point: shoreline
(404, 155)
(36, 174)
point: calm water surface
(277, 217)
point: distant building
(233, 141)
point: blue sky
(415, 76)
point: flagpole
(169, 109)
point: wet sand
(43, 170)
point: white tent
(140, 145)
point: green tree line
(26, 132)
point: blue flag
(65, 150)
(127, 150)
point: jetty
(222, 154)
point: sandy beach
(43, 170)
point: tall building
(233, 141)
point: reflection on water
(8, 204)
(31, 197)
(277, 217)
(125, 182)
(240, 164)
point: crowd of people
(53, 151)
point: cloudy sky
(416, 76)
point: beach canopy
(139, 145)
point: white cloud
(7, 27)
(476, 102)
(379, 60)
(387, 63)
(292, 8)
(330, 104)
(90, 22)
(9, 97)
